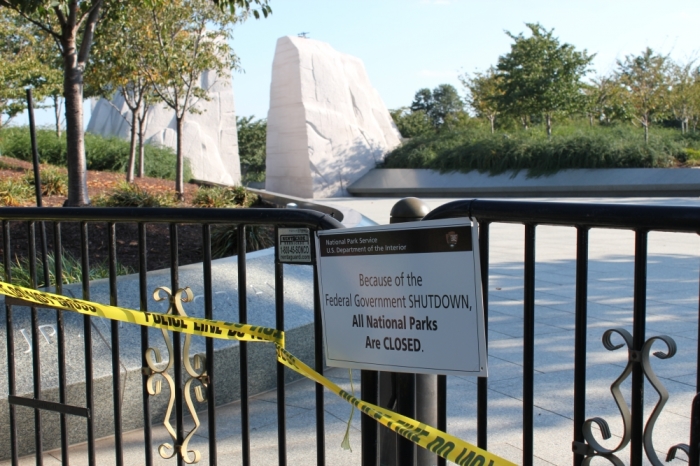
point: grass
(53, 181)
(131, 195)
(14, 193)
(571, 146)
(221, 197)
(72, 271)
(224, 239)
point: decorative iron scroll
(592, 448)
(200, 379)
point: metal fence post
(415, 394)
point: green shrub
(252, 138)
(572, 146)
(14, 193)
(53, 181)
(71, 273)
(224, 239)
(108, 154)
(220, 197)
(132, 195)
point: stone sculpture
(327, 126)
(210, 140)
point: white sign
(403, 298)
(294, 245)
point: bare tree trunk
(646, 132)
(57, 114)
(492, 119)
(549, 126)
(132, 149)
(142, 130)
(179, 177)
(73, 94)
(590, 120)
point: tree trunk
(57, 114)
(75, 143)
(549, 125)
(493, 121)
(179, 177)
(132, 149)
(646, 132)
(590, 120)
(142, 130)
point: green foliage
(72, 271)
(574, 146)
(439, 105)
(220, 197)
(53, 181)
(483, 94)
(23, 63)
(132, 195)
(14, 193)
(252, 139)
(540, 76)
(186, 38)
(645, 80)
(412, 124)
(224, 238)
(108, 154)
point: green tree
(119, 49)
(21, 65)
(541, 76)
(440, 105)
(645, 82)
(412, 124)
(252, 140)
(72, 24)
(185, 48)
(483, 93)
(605, 101)
(684, 98)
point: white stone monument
(327, 126)
(210, 139)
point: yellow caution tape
(438, 442)
(444, 445)
(176, 323)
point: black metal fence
(640, 219)
(55, 220)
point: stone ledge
(609, 182)
(261, 356)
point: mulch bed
(157, 235)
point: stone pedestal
(327, 126)
(299, 329)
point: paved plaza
(672, 309)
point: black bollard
(413, 395)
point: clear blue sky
(410, 44)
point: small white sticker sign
(403, 298)
(294, 245)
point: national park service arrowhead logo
(452, 238)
